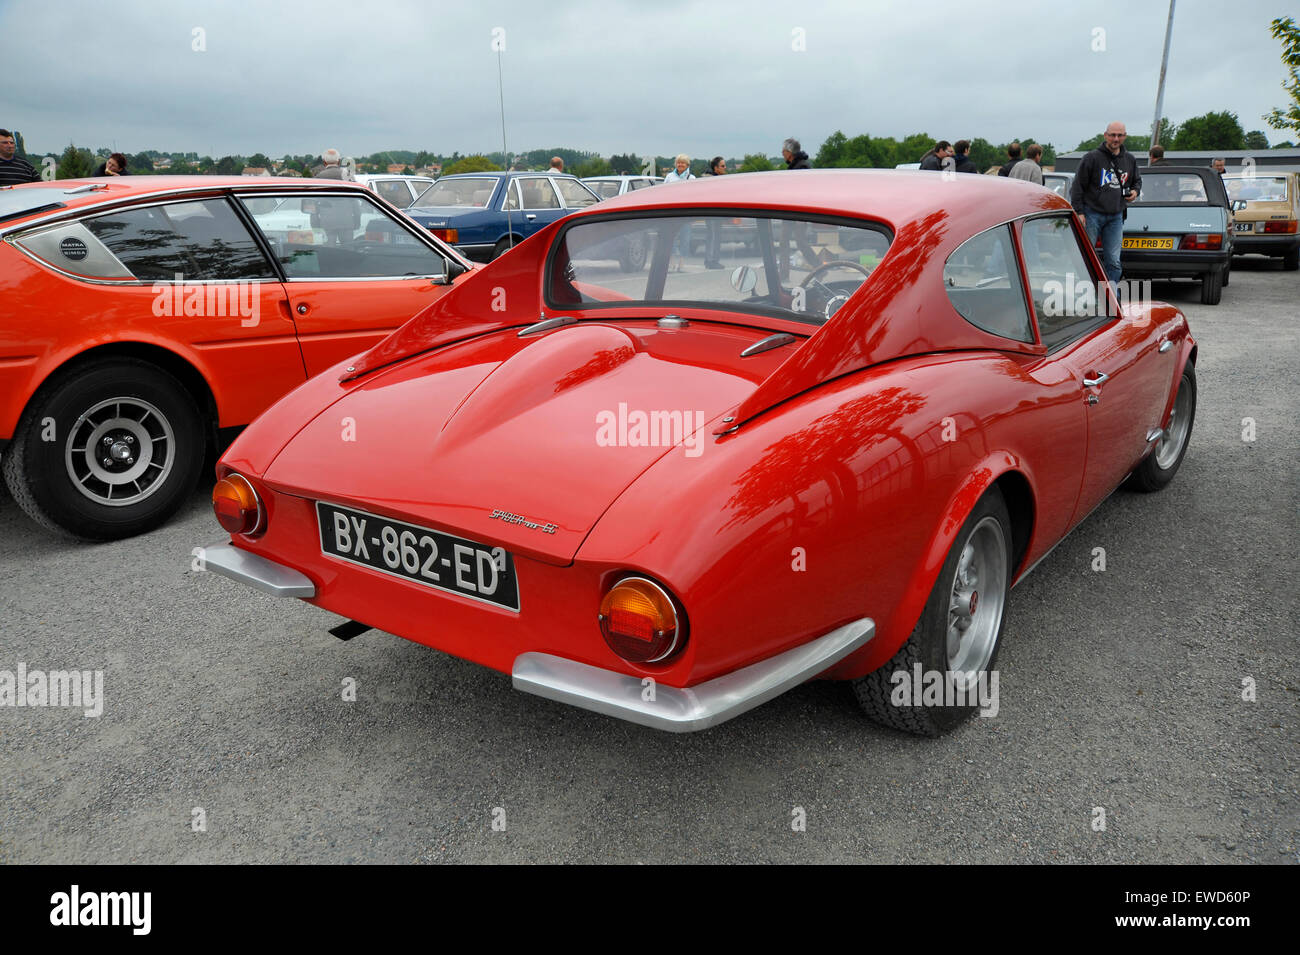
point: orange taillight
(639, 621)
(450, 236)
(237, 506)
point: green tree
(75, 163)
(593, 167)
(259, 160)
(139, 164)
(227, 166)
(1255, 139)
(1288, 32)
(478, 163)
(1211, 131)
(628, 164)
(755, 162)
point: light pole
(1160, 87)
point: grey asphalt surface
(1119, 689)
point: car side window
(983, 284)
(1068, 302)
(342, 236)
(395, 191)
(201, 240)
(575, 195)
(537, 193)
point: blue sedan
(484, 214)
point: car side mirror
(1238, 205)
(454, 270)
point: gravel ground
(1120, 689)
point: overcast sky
(617, 75)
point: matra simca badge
(512, 518)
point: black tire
(1212, 287)
(928, 644)
(1227, 273)
(633, 254)
(1159, 467)
(62, 486)
(503, 246)
(1291, 261)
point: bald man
(1105, 183)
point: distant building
(396, 168)
(254, 171)
(290, 172)
(1271, 160)
(164, 162)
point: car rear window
(1257, 188)
(793, 268)
(201, 240)
(1172, 187)
(473, 193)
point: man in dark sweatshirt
(1105, 182)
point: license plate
(1140, 243)
(1243, 226)
(419, 554)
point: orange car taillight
(1288, 228)
(639, 621)
(237, 506)
(450, 236)
(1201, 242)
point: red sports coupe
(142, 314)
(671, 495)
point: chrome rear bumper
(258, 572)
(693, 708)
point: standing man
(681, 171)
(1155, 155)
(1105, 182)
(333, 169)
(557, 166)
(795, 157)
(14, 171)
(1028, 168)
(1219, 165)
(961, 161)
(1013, 157)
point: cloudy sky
(642, 76)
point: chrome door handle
(530, 215)
(1165, 346)
(1094, 382)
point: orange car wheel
(108, 450)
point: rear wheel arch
(169, 361)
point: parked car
(401, 191)
(607, 187)
(1180, 227)
(630, 253)
(670, 496)
(144, 313)
(1269, 223)
(1058, 182)
(485, 214)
